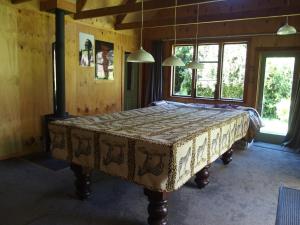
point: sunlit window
(221, 74)
(233, 71)
(182, 84)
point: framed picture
(86, 50)
(104, 60)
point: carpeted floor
(243, 193)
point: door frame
(263, 55)
(124, 53)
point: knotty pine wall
(217, 30)
(26, 37)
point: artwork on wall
(104, 60)
(86, 50)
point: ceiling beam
(18, 1)
(134, 7)
(51, 5)
(80, 4)
(120, 18)
(243, 15)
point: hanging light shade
(141, 56)
(173, 60)
(195, 64)
(286, 29)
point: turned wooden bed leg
(227, 156)
(202, 177)
(82, 182)
(157, 208)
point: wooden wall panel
(71, 61)
(34, 63)
(26, 37)
(10, 137)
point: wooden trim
(19, 1)
(204, 101)
(80, 4)
(235, 16)
(148, 6)
(50, 5)
(120, 18)
(218, 87)
(247, 73)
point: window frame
(173, 73)
(218, 90)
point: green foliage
(205, 91)
(233, 90)
(183, 80)
(277, 87)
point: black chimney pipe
(59, 99)
(60, 106)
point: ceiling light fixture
(173, 60)
(141, 56)
(287, 29)
(195, 63)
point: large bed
(159, 147)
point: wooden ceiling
(160, 13)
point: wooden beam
(148, 6)
(50, 5)
(245, 15)
(18, 1)
(121, 17)
(80, 4)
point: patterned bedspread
(159, 147)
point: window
(233, 71)
(208, 73)
(221, 75)
(183, 76)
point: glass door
(277, 79)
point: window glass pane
(182, 82)
(233, 71)
(206, 80)
(208, 53)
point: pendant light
(195, 63)
(173, 60)
(141, 56)
(286, 29)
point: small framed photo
(104, 60)
(86, 50)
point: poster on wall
(104, 60)
(86, 50)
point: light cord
(287, 17)
(142, 23)
(175, 15)
(197, 31)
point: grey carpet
(243, 193)
(44, 159)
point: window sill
(205, 100)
